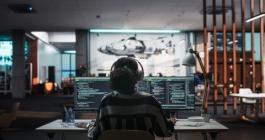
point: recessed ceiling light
(98, 16)
(70, 51)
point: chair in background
(7, 117)
(247, 101)
(126, 135)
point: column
(82, 52)
(18, 66)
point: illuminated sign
(6, 51)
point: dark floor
(39, 110)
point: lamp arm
(205, 95)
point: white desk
(182, 125)
(249, 95)
(212, 127)
(58, 126)
(257, 96)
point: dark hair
(123, 75)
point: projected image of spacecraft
(134, 47)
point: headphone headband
(139, 73)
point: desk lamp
(190, 60)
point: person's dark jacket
(138, 111)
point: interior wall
(158, 53)
(62, 37)
(48, 55)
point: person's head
(124, 75)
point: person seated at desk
(198, 78)
(199, 85)
(160, 74)
(125, 108)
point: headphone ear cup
(140, 75)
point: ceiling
(68, 15)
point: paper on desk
(189, 123)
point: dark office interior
(203, 61)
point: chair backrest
(246, 91)
(9, 116)
(126, 135)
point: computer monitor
(174, 93)
(102, 75)
(89, 92)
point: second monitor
(171, 92)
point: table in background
(58, 126)
(212, 128)
(257, 96)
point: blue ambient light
(70, 51)
(131, 31)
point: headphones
(139, 74)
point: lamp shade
(189, 60)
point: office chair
(246, 91)
(116, 134)
(247, 101)
(6, 118)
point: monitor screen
(171, 92)
(89, 91)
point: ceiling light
(70, 51)
(131, 31)
(255, 17)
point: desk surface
(249, 95)
(184, 125)
(58, 125)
